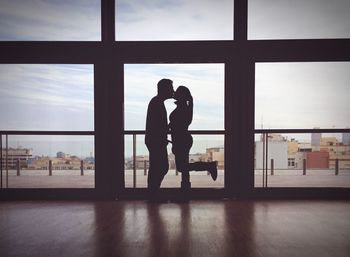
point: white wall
(276, 150)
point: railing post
(18, 168)
(81, 168)
(7, 167)
(272, 167)
(304, 166)
(336, 166)
(263, 159)
(145, 168)
(267, 158)
(50, 167)
(1, 163)
(134, 159)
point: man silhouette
(156, 138)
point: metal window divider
(134, 159)
(1, 163)
(6, 161)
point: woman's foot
(213, 170)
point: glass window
(174, 20)
(41, 161)
(206, 83)
(50, 20)
(303, 160)
(46, 97)
(302, 95)
(298, 19)
(205, 148)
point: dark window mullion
(108, 21)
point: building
(62, 155)
(277, 150)
(317, 160)
(316, 140)
(215, 154)
(337, 151)
(273, 137)
(14, 155)
(346, 138)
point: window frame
(239, 56)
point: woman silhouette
(182, 140)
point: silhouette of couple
(156, 138)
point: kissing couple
(156, 138)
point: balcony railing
(302, 175)
(8, 162)
(135, 133)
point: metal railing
(134, 134)
(4, 162)
(265, 145)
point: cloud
(174, 20)
(50, 20)
(302, 95)
(51, 97)
(298, 19)
(206, 82)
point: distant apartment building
(273, 137)
(62, 155)
(15, 155)
(316, 140)
(337, 151)
(211, 154)
(277, 150)
(293, 154)
(346, 138)
(321, 153)
(215, 154)
(317, 160)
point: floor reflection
(198, 228)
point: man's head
(165, 88)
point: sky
(302, 95)
(302, 91)
(205, 81)
(46, 97)
(174, 20)
(298, 19)
(56, 20)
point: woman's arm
(190, 110)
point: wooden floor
(198, 228)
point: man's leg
(159, 166)
(163, 165)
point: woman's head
(182, 93)
(184, 98)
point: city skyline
(80, 146)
